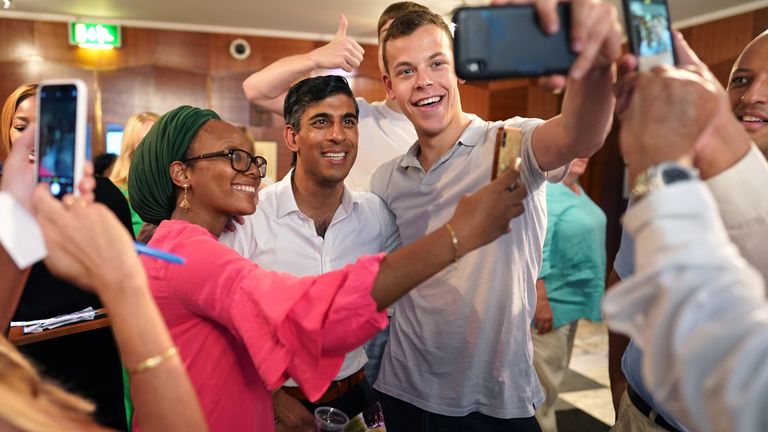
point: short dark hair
(310, 91)
(406, 24)
(395, 10)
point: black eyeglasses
(241, 160)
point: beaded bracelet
(155, 361)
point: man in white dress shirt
(311, 223)
(694, 305)
(734, 171)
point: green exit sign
(91, 35)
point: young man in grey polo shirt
(459, 356)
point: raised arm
(16, 187)
(19, 252)
(267, 87)
(88, 246)
(587, 112)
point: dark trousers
(351, 403)
(400, 416)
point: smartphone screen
(57, 128)
(649, 32)
(508, 41)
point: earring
(185, 205)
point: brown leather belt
(335, 390)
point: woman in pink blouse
(241, 330)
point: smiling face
(423, 81)
(748, 90)
(25, 115)
(326, 142)
(216, 190)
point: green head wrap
(150, 187)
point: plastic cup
(329, 419)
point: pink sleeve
(292, 327)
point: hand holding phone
(60, 137)
(506, 155)
(649, 33)
(508, 41)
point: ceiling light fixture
(7, 4)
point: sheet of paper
(37, 326)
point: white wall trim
(162, 25)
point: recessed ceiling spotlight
(7, 4)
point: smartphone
(506, 155)
(650, 33)
(507, 41)
(60, 134)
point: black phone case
(507, 41)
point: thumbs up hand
(340, 53)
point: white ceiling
(312, 19)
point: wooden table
(17, 337)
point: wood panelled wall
(157, 70)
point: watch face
(673, 174)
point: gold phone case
(509, 142)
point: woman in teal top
(135, 128)
(571, 282)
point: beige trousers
(630, 419)
(551, 356)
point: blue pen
(157, 253)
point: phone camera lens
(475, 66)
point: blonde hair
(32, 404)
(18, 96)
(131, 138)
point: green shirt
(573, 264)
(136, 221)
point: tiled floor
(585, 397)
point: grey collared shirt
(460, 342)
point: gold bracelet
(155, 361)
(454, 241)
